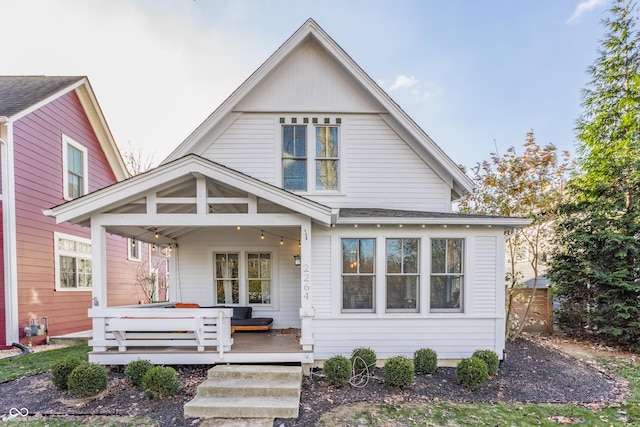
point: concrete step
(257, 372)
(249, 387)
(242, 407)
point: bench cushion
(258, 321)
(241, 313)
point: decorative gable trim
(80, 210)
(198, 141)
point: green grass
(443, 413)
(36, 363)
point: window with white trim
(403, 276)
(447, 275)
(133, 249)
(73, 263)
(75, 168)
(244, 278)
(311, 154)
(358, 275)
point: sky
(476, 75)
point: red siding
(39, 177)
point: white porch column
(307, 311)
(98, 278)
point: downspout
(9, 231)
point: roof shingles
(17, 93)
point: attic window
(75, 167)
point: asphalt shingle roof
(18, 93)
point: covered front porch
(206, 214)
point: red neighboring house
(56, 146)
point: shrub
(60, 370)
(160, 382)
(425, 361)
(399, 371)
(490, 358)
(363, 360)
(136, 370)
(88, 379)
(337, 370)
(472, 373)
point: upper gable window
(316, 140)
(75, 167)
(294, 158)
(327, 158)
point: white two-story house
(312, 197)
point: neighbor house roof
(394, 115)
(21, 95)
(18, 93)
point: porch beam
(201, 195)
(198, 220)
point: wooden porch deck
(273, 346)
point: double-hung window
(73, 262)
(294, 158)
(447, 274)
(402, 274)
(227, 278)
(75, 165)
(311, 154)
(327, 158)
(358, 275)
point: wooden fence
(540, 318)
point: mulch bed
(531, 373)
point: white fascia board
(492, 221)
(101, 128)
(139, 186)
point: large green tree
(596, 266)
(527, 184)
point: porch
(275, 346)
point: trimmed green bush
(399, 371)
(425, 361)
(88, 379)
(61, 369)
(337, 370)
(490, 358)
(472, 373)
(160, 382)
(136, 370)
(363, 360)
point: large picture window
(294, 158)
(73, 263)
(75, 165)
(447, 278)
(402, 274)
(358, 274)
(327, 155)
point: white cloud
(584, 7)
(403, 82)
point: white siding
(309, 80)
(452, 338)
(484, 275)
(321, 293)
(452, 335)
(249, 146)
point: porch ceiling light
(261, 234)
(155, 233)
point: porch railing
(157, 326)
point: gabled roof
(18, 93)
(397, 119)
(124, 194)
(21, 95)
